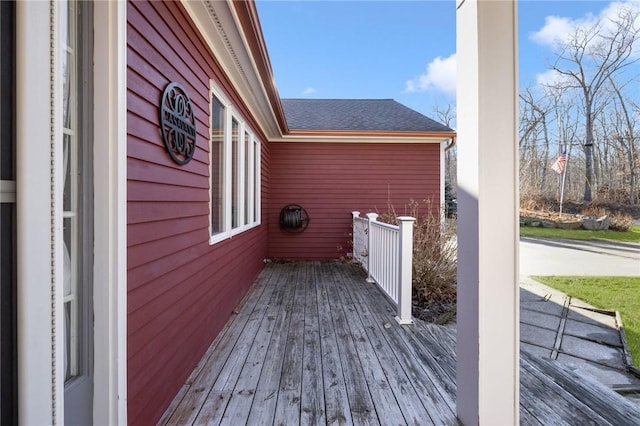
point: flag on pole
(558, 165)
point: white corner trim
(110, 209)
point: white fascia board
(400, 139)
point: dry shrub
(617, 221)
(435, 254)
(620, 214)
(620, 222)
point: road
(542, 256)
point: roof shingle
(356, 115)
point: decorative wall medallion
(177, 123)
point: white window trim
(252, 175)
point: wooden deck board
(314, 344)
(358, 392)
(312, 401)
(337, 411)
(264, 402)
(437, 401)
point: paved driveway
(542, 256)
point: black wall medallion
(177, 123)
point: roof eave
(346, 136)
(232, 31)
(250, 22)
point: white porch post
(405, 269)
(488, 295)
(354, 214)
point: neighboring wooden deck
(313, 343)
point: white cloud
(309, 91)
(557, 29)
(552, 78)
(440, 75)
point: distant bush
(620, 214)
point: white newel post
(353, 234)
(405, 263)
(371, 217)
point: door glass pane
(77, 210)
(71, 263)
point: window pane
(235, 172)
(256, 180)
(217, 166)
(247, 177)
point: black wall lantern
(177, 124)
(294, 218)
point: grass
(630, 236)
(614, 293)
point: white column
(405, 269)
(488, 295)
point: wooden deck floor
(313, 343)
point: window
(235, 173)
(217, 165)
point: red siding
(331, 180)
(181, 291)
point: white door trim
(39, 228)
(110, 208)
(40, 366)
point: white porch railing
(386, 253)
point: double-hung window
(234, 170)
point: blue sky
(403, 50)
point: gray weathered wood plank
(441, 410)
(239, 407)
(336, 399)
(602, 400)
(202, 379)
(290, 388)
(360, 401)
(312, 402)
(264, 402)
(313, 343)
(382, 394)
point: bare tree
(626, 137)
(591, 57)
(447, 116)
(534, 134)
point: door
(77, 201)
(8, 375)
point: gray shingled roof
(356, 115)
